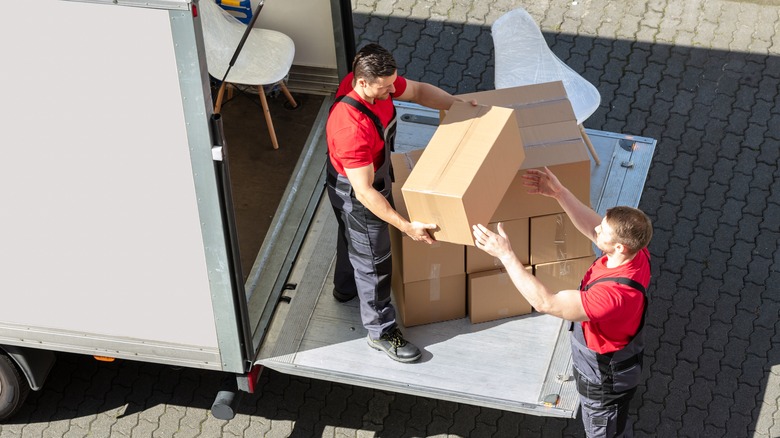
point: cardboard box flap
(521, 95)
(403, 163)
(552, 154)
(544, 113)
(550, 133)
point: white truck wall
(89, 187)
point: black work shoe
(341, 297)
(394, 344)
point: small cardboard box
(551, 137)
(415, 261)
(554, 238)
(519, 236)
(563, 275)
(428, 301)
(492, 295)
(464, 171)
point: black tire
(13, 388)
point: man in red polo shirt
(608, 310)
(360, 132)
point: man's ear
(619, 247)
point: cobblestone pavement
(702, 78)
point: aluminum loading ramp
(511, 364)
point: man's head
(373, 61)
(627, 227)
(375, 71)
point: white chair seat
(265, 58)
(523, 58)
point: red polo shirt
(614, 310)
(353, 141)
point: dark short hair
(373, 61)
(631, 226)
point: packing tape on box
(560, 237)
(564, 269)
(434, 292)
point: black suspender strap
(622, 280)
(363, 109)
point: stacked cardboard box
(471, 172)
(541, 234)
(492, 295)
(429, 281)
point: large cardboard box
(428, 301)
(551, 137)
(518, 232)
(554, 238)
(464, 171)
(414, 261)
(492, 295)
(563, 275)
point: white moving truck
(117, 232)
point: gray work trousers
(363, 262)
(610, 421)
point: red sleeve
(603, 301)
(400, 86)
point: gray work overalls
(606, 382)
(363, 262)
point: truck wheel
(13, 388)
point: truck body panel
(113, 239)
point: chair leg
(267, 114)
(220, 96)
(287, 94)
(590, 145)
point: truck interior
(259, 173)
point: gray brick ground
(703, 78)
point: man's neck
(616, 259)
(359, 91)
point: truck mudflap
(520, 364)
